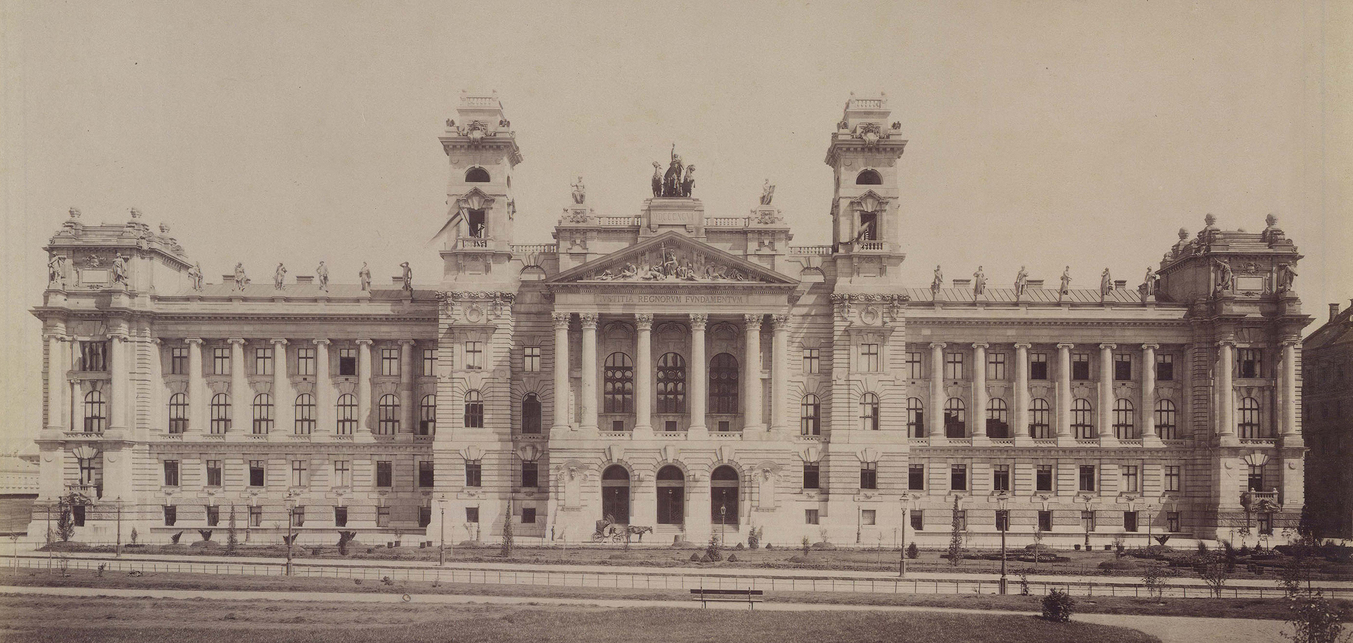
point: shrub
(913, 551)
(1154, 578)
(1023, 584)
(175, 538)
(1202, 548)
(754, 537)
(695, 557)
(1316, 619)
(344, 538)
(807, 545)
(769, 546)
(738, 547)
(799, 560)
(824, 546)
(955, 537)
(732, 558)
(1058, 606)
(132, 536)
(712, 550)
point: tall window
(618, 384)
(474, 410)
(869, 475)
(257, 473)
(1122, 367)
(305, 361)
(427, 415)
(220, 360)
(1043, 478)
(178, 360)
(474, 355)
(1080, 366)
(809, 423)
(342, 473)
(811, 475)
(298, 470)
(347, 414)
(255, 516)
(1082, 419)
(1249, 363)
(530, 359)
(213, 473)
(869, 412)
(1174, 476)
(1044, 521)
(1087, 477)
(385, 476)
(953, 366)
(995, 366)
(1131, 482)
(220, 413)
(262, 413)
(178, 413)
(389, 361)
(916, 477)
(347, 361)
(1129, 521)
(671, 384)
(96, 412)
(171, 473)
(1172, 520)
(955, 419)
(429, 362)
(1256, 478)
(723, 384)
(305, 414)
(1164, 367)
(1088, 520)
(426, 475)
(263, 361)
(958, 477)
(1002, 520)
(914, 365)
(530, 413)
(474, 473)
(998, 425)
(915, 418)
(869, 358)
(170, 515)
(1000, 477)
(94, 356)
(811, 365)
(1040, 418)
(530, 474)
(1038, 366)
(1249, 423)
(1124, 420)
(1166, 420)
(387, 415)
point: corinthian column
(1226, 425)
(561, 392)
(56, 381)
(1149, 436)
(752, 411)
(979, 392)
(118, 347)
(643, 374)
(241, 396)
(1020, 429)
(407, 404)
(1289, 392)
(198, 421)
(1106, 392)
(364, 388)
(779, 375)
(1064, 392)
(326, 417)
(283, 399)
(936, 411)
(588, 403)
(699, 374)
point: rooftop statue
(1150, 283)
(364, 276)
(579, 192)
(1021, 282)
(240, 279)
(1286, 275)
(323, 273)
(195, 276)
(56, 270)
(1065, 288)
(979, 282)
(407, 276)
(688, 182)
(937, 282)
(767, 193)
(657, 178)
(1224, 277)
(1105, 284)
(677, 181)
(279, 276)
(119, 269)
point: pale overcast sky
(1041, 133)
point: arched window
(618, 384)
(955, 419)
(869, 412)
(1082, 419)
(347, 414)
(915, 418)
(723, 492)
(474, 410)
(1166, 421)
(672, 384)
(671, 496)
(387, 415)
(178, 413)
(1249, 424)
(305, 414)
(427, 415)
(262, 413)
(723, 384)
(1040, 419)
(998, 424)
(530, 413)
(809, 418)
(96, 412)
(220, 413)
(476, 175)
(615, 494)
(1124, 420)
(868, 177)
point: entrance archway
(723, 492)
(615, 494)
(671, 496)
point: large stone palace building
(1327, 389)
(673, 368)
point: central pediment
(671, 258)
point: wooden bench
(705, 596)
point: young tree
(1212, 568)
(507, 531)
(1155, 578)
(955, 537)
(232, 537)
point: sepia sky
(1041, 133)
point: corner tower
(866, 226)
(481, 150)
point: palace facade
(1327, 390)
(686, 371)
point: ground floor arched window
(615, 494)
(723, 492)
(671, 496)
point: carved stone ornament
(666, 263)
(870, 133)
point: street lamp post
(723, 520)
(291, 521)
(441, 546)
(117, 552)
(1004, 524)
(902, 553)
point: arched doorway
(615, 494)
(671, 496)
(723, 493)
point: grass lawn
(40, 619)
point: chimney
(1334, 311)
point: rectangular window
(530, 474)
(962, 515)
(213, 515)
(472, 515)
(298, 477)
(263, 361)
(1000, 477)
(256, 476)
(1043, 478)
(94, 356)
(171, 515)
(425, 515)
(869, 475)
(213, 473)
(1088, 520)
(1087, 477)
(220, 360)
(917, 519)
(1249, 362)
(1266, 523)
(810, 516)
(347, 361)
(1174, 475)
(382, 516)
(914, 365)
(425, 474)
(810, 361)
(1164, 368)
(1002, 520)
(389, 361)
(810, 475)
(1130, 480)
(1080, 366)
(1038, 366)
(869, 358)
(385, 476)
(255, 516)
(171, 473)
(916, 477)
(953, 366)
(1172, 520)
(340, 516)
(1122, 367)
(305, 361)
(474, 355)
(341, 473)
(530, 358)
(1130, 521)
(1256, 478)
(958, 477)
(429, 362)
(868, 517)
(1045, 521)
(473, 474)
(996, 366)
(178, 360)
(298, 516)
(528, 515)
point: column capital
(1226, 342)
(1108, 347)
(237, 340)
(698, 321)
(278, 340)
(589, 320)
(1065, 346)
(193, 340)
(935, 345)
(561, 320)
(363, 342)
(1150, 347)
(1292, 342)
(408, 342)
(1025, 345)
(321, 342)
(982, 345)
(156, 341)
(779, 322)
(753, 321)
(644, 321)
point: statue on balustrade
(364, 277)
(195, 276)
(937, 282)
(979, 282)
(322, 272)
(279, 276)
(1065, 288)
(767, 193)
(407, 276)
(657, 178)
(241, 280)
(579, 192)
(1105, 284)
(1021, 282)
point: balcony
(1253, 500)
(91, 491)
